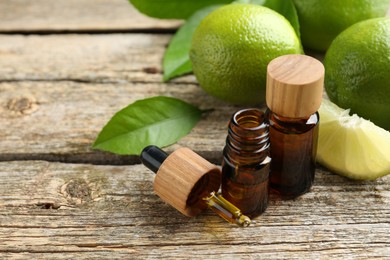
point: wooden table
(65, 68)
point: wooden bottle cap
(294, 85)
(184, 178)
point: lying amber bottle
(293, 95)
(246, 162)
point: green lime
(322, 20)
(357, 67)
(232, 47)
(352, 146)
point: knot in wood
(23, 105)
(78, 191)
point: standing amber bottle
(293, 96)
(246, 162)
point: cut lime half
(352, 146)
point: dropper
(189, 183)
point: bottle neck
(247, 142)
(292, 125)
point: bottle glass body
(293, 152)
(246, 162)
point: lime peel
(352, 146)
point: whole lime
(357, 68)
(232, 47)
(322, 20)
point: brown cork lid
(294, 85)
(184, 178)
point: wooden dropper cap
(294, 85)
(183, 178)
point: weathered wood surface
(56, 93)
(66, 210)
(45, 16)
(60, 120)
(74, 84)
(116, 58)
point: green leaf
(176, 59)
(287, 9)
(158, 120)
(173, 9)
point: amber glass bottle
(293, 95)
(246, 162)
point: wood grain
(192, 176)
(47, 16)
(113, 58)
(295, 84)
(60, 210)
(62, 84)
(85, 58)
(60, 120)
